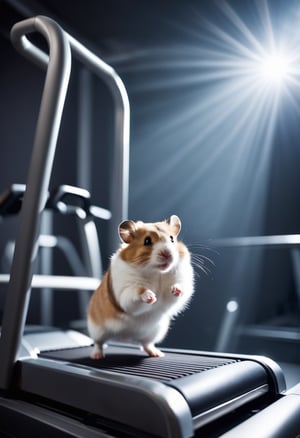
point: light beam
(210, 113)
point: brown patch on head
(182, 249)
(140, 238)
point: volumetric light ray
(212, 104)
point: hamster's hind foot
(97, 352)
(152, 351)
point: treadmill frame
(58, 66)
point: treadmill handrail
(58, 64)
(120, 175)
(41, 163)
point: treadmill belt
(131, 361)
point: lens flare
(210, 108)
(275, 68)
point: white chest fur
(128, 278)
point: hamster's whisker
(203, 247)
(203, 259)
(200, 261)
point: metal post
(54, 93)
(58, 64)
(84, 144)
(46, 265)
(119, 182)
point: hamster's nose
(165, 254)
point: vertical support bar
(92, 259)
(119, 183)
(120, 174)
(295, 255)
(40, 168)
(84, 166)
(84, 145)
(46, 262)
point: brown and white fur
(149, 281)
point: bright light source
(274, 68)
(232, 306)
(233, 80)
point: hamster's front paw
(147, 296)
(176, 291)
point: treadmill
(49, 386)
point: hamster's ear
(127, 231)
(175, 224)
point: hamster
(150, 280)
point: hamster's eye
(172, 239)
(148, 241)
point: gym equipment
(66, 200)
(48, 382)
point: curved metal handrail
(47, 129)
(120, 175)
(58, 66)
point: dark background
(218, 188)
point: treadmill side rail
(21, 418)
(146, 405)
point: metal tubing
(46, 268)
(84, 141)
(120, 175)
(277, 241)
(47, 129)
(58, 65)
